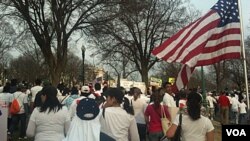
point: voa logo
(236, 132)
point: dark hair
(182, 94)
(119, 96)
(6, 88)
(38, 100)
(51, 102)
(123, 90)
(65, 91)
(166, 83)
(74, 91)
(136, 93)
(46, 83)
(60, 86)
(13, 82)
(131, 91)
(127, 106)
(156, 97)
(38, 81)
(97, 86)
(104, 89)
(194, 101)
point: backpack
(15, 106)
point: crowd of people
(230, 106)
(100, 113)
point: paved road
(217, 132)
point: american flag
(214, 37)
(183, 77)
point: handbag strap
(180, 119)
(64, 98)
(163, 111)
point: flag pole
(243, 52)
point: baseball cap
(87, 109)
(85, 89)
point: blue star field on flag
(228, 11)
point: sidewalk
(217, 131)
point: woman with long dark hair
(153, 115)
(118, 121)
(50, 121)
(195, 127)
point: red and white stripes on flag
(214, 37)
(183, 77)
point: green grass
(16, 135)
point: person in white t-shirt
(243, 112)
(116, 121)
(168, 98)
(211, 100)
(139, 106)
(51, 121)
(195, 127)
(5, 99)
(34, 91)
(5, 96)
(235, 109)
(22, 114)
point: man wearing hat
(85, 114)
(85, 92)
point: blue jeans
(142, 130)
(242, 118)
(15, 122)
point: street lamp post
(83, 62)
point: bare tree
(52, 24)
(7, 36)
(140, 26)
(121, 70)
(72, 70)
(247, 49)
(4, 64)
(26, 68)
(221, 74)
(236, 72)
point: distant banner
(129, 84)
(171, 80)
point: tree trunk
(55, 64)
(55, 77)
(144, 76)
(118, 80)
